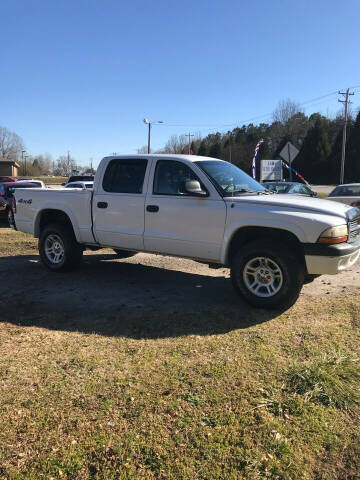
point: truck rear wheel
(10, 216)
(58, 248)
(267, 275)
(124, 253)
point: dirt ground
(143, 284)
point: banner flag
(258, 145)
(296, 173)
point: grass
(275, 400)
(51, 180)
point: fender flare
(289, 228)
(64, 209)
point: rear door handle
(152, 208)
(102, 204)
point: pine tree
(215, 150)
(352, 158)
(312, 161)
(334, 163)
(193, 148)
(203, 151)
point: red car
(7, 200)
(7, 179)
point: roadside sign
(289, 153)
(271, 170)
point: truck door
(181, 224)
(118, 204)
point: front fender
(233, 228)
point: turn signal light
(333, 240)
(332, 235)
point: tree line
(318, 138)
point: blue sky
(80, 75)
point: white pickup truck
(196, 207)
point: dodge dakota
(200, 208)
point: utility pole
(346, 103)
(91, 163)
(190, 135)
(149, 123)
(25, 157)
(230, 145)
(22, 158)
(149, 136)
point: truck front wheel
(267, 275)
(58, 248)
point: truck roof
(169, 156)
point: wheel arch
(54, 215)
(245, 235)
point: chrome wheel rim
(54, 249)
(263, 277)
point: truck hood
(299, 203)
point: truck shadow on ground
(122, 298)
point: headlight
(338, 234)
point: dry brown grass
(276, 399)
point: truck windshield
(228, 178)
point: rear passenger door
(118, 204)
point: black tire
(124, 253)
(64, 236)
(310, 278)
(10, 217)
(286, 285)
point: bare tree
(143, 149)
(64, 166)
(10, 144)
(176, 144)
(285, 110)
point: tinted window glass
(125, 176)
(228, 178)
(297, 189)
(349, 191)
(170, 176)
(278, 188)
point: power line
(216, 127)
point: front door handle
(102, 204)
(152, 208)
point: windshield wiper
(241, 190)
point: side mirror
(193, 187)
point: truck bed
(77, 202)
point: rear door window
(125, 175)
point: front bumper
(330, 259)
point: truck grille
(354, 229)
